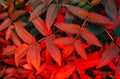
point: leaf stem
(81, 27)
(84, 23)
(110, 35)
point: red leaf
(8, 32)
(3, 15)
(26, 66)
(75, 76)
(53, 50)
(38, 11)
(118, 41)
(81, 13)
(5, 24)
(9, 50)
(97, 18)
(67, 50)
(91, 16)
(27, 7)
(33, 56)
(15, 39)
(80, 50)
(24, 35)
(9, 61)
(51, 14)
(11, 8)
(2, 71)
(89, 36)
(95, 2)
(20, 23)
(71, 28)
(40, 25)
(108, 55)
(81, 69)
(117, 73)
(65, 71)
(64, 40)
(10, 70)
(42, 68)
(16, 14)
(20, 52)
(46, 1)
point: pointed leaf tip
(89, 36)
(53, 50)
(51, 14)
(33, 55)
(108, 55)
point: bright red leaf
(65, 71)
(33, 56)
(20, 52)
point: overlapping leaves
(67, 51)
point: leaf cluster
(60, 39)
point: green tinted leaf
(110, 8)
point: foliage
(59, 39)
